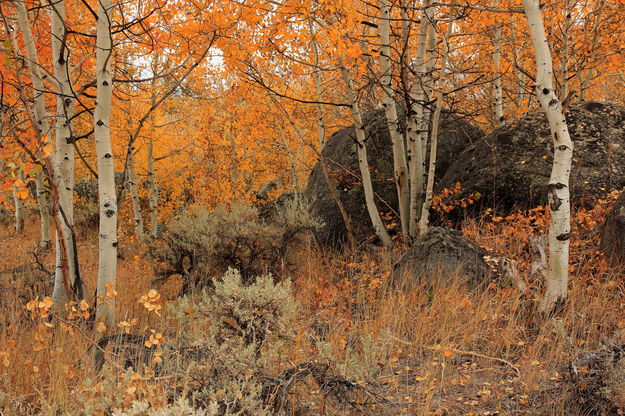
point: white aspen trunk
(39, 118)
(131, 175)
(498, 91)
(583, 83)
(425, 209)
(107, 199)
(363, 162)
(428, 82)
(388, 102)
(321, 133)
(317, 73)
(586, 74)
(559, 227)
(292, 162)
(566, 52)
(415, 124)
(134, 195)
(32, 62)
(39, 107)
(427, 86)
(44, 211)
(153, 199)
(593, 59)
(518, 75)
(405, 40)
(19, 212)
(64, 150)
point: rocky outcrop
(341, 160)
(510, 168)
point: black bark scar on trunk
(563, 237)
(554, 201)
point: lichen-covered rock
(342, 163)
(510, 168)
(441, 254)
(613, 233)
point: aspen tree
(497, 88)
(38, 119)
(131, 176)
(317, 73)
(44, 211)
(321, 133)
(134, 195)
(39, 108)
(518, 75)
(566, 49)
(425, 209)
(107, 261)
(19, 207)
(363, 162)
(292, 163)
(153, 194)
(559, 227)
(153, 199)
(64, 148)
(400, 167)
(416, 124)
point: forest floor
(440, 351)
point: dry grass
(441, 351)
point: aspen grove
(312, 207)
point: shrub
(596, 381)
(230, 352)
(180, 408)
(202, 243)
(87, 214)
(228, 357)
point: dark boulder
(441, 254)
(340, 156)
(613, 233)
(510, 168)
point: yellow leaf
(22, 193)
(110, 290)
(48, 302)
(101, 327)
(31, 305)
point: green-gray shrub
(232, 347)
(205, 243)
(181, 407)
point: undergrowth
(345, 342)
